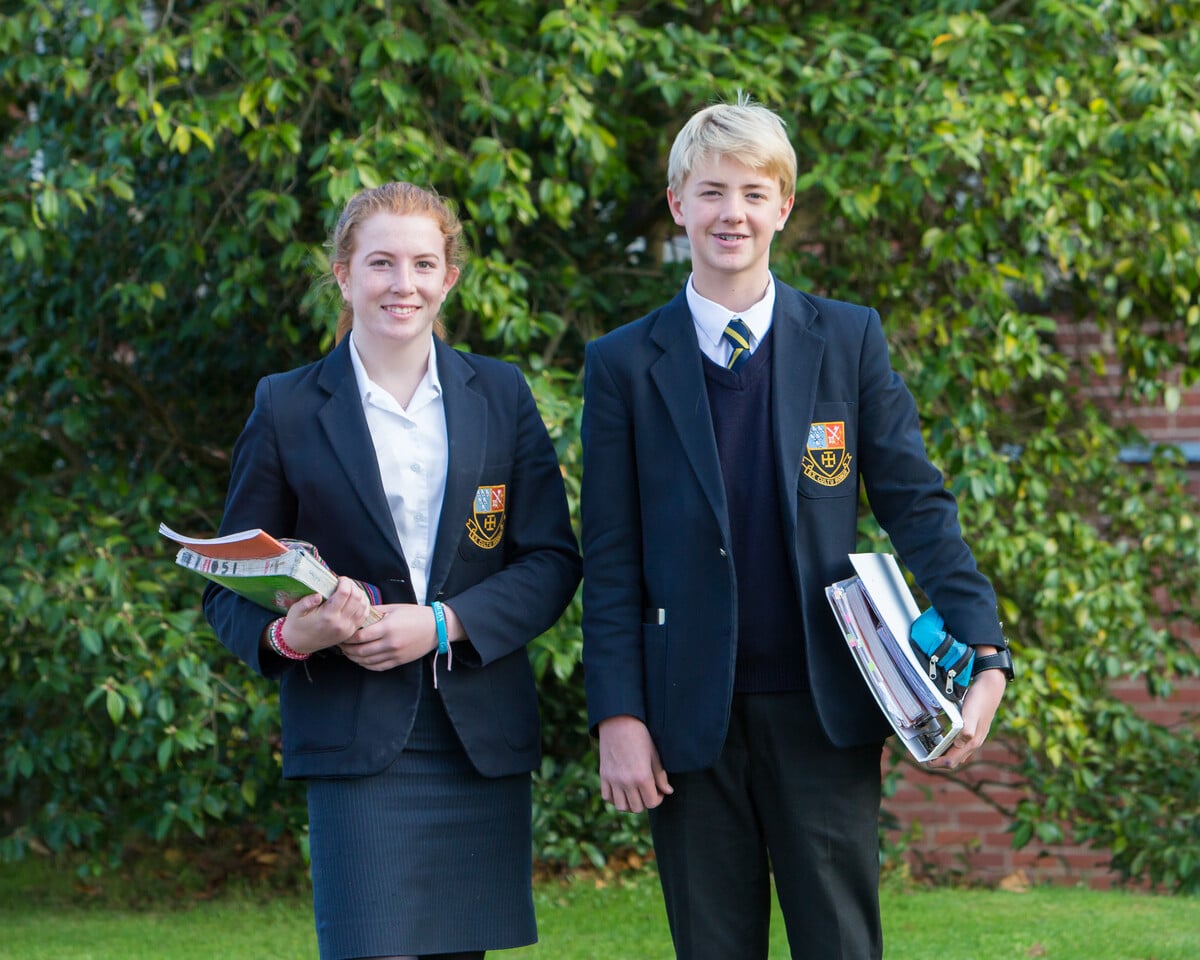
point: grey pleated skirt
(427, 857)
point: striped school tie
(738, 335)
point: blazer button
(723, 553)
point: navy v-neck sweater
(770, 647)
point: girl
(428, 474)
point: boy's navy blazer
(656, 524)
(305, 467)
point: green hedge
(983, 174)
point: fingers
(952, 759)
(978, 711)
(630, 798)
(960, 753)
(349, 601)
(406, 633)
(305, 605)
(375, 660)
(661, 781)
(315, 624)
(631, 776)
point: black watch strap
(1001, 660)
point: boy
(720, 494)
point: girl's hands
(406, 633)
(314, 624)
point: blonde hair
(744, 131)
(402, 199)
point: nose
(402, 278)
(733, 208)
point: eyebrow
(389, 253)
(752, 185)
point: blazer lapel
(466, 430)
(797, 362)
(679, 376)
(345, 427)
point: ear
(676, 205)
(452, 274)
(341, 272)
(784, 212)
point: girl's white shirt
(412, 449)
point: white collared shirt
(711, 319)
(413, 454)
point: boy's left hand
(978, 709)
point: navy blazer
(305, 467)
(655, 523)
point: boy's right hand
(632, 777)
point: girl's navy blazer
(305, 467)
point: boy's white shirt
(711, 319)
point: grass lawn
(43, 919)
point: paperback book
(271, 572)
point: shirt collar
(711, 318)
(430, 387)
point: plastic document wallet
(875, 611)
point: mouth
(400, 309)
(730, 237)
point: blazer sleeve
(258, 496)
(908, 496)
(503, 611)
(612, 548)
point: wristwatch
(1001, 660)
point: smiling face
(731, 213)
(395, 280)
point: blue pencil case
(949, 661)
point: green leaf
(115, 704)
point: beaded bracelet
(277, 643)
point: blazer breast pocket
(829, 467)
(487, 516)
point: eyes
(385, 263)
(712, 193)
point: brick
(951, 837)
(988, 862)
(980, 815)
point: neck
(397, 368)
(736, 292)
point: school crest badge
(486, 526)
(826, 460)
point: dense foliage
(984, 174)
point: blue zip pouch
(947, 660)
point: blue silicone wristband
(439, 619)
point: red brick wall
(1084, 342)
(961, 834)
